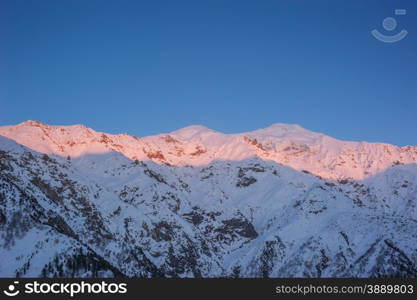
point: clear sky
(146, 67)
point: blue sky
(145, 67)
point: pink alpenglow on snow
(290, 145)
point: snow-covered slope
(290, 145)
(280, 201)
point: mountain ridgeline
(276, 202)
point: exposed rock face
(280, 202)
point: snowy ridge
(275, 202)
(289, 145)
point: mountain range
(281, 201)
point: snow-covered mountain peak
(30, 123)
(194, 131)
(196, 145)
(199, 203)
(279, 128)
(292, 132)
(33, 127)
